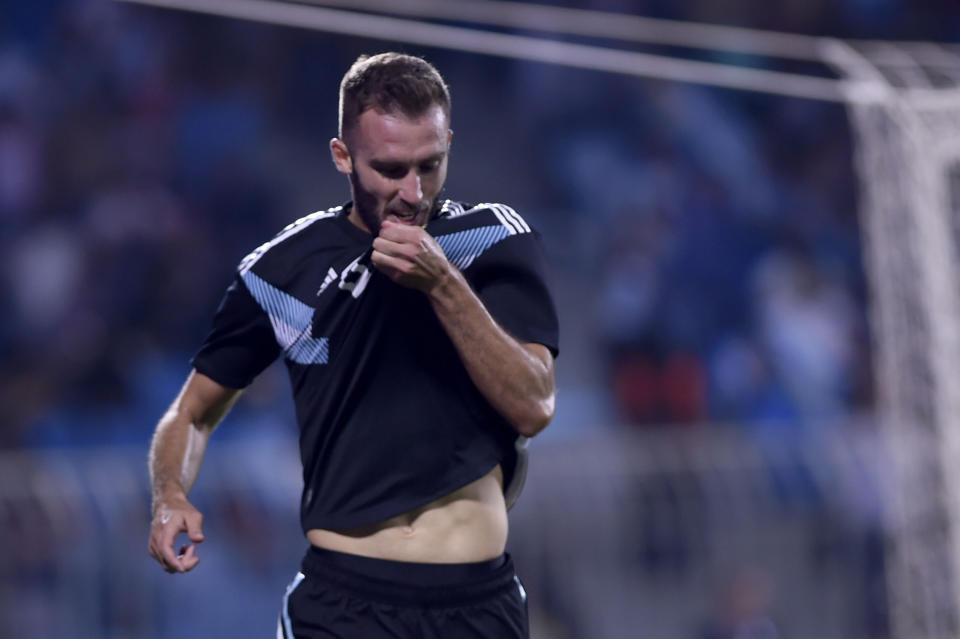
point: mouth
(409, 218)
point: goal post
(906, 148)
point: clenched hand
(170, 518)
(410, 256)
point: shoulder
(467, 231)
(298, 239)
(458, 216)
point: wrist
(167, 493)
(447, 288)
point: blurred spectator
(744, 608)
(806, 323)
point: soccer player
(419, 336)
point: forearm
(175, 455)
(515, 380)
(181, 437)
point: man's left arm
(516, 378)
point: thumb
(194, 530)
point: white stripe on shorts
(284, 627)
(523, 593)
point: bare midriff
(468, 525)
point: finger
(171, 562)
(384, 245)
(155, 555)
(396, 249)
(188, 557)
(160, 560)
(414, 240)
(168, 533)
(389, 264)
(194, 523)
(399, 232)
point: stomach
(468, 525)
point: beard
(366, 204)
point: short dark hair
(391, 82)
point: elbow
(538, 417)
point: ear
(449, 137)
(341, 156)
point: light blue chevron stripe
(463, 247)
(291, 320)
(311, 351)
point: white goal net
(908, 148)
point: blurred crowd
(734, 289)
(714, 257)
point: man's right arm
(175, 455)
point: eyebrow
(394, 164)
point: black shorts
(352, 597)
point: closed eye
(398, 170)
(391, 171)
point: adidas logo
(331, 276)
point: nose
(411, 190)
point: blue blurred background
(707, 264)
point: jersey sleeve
(511, 280)
(241, 343)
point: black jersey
(389, 418)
